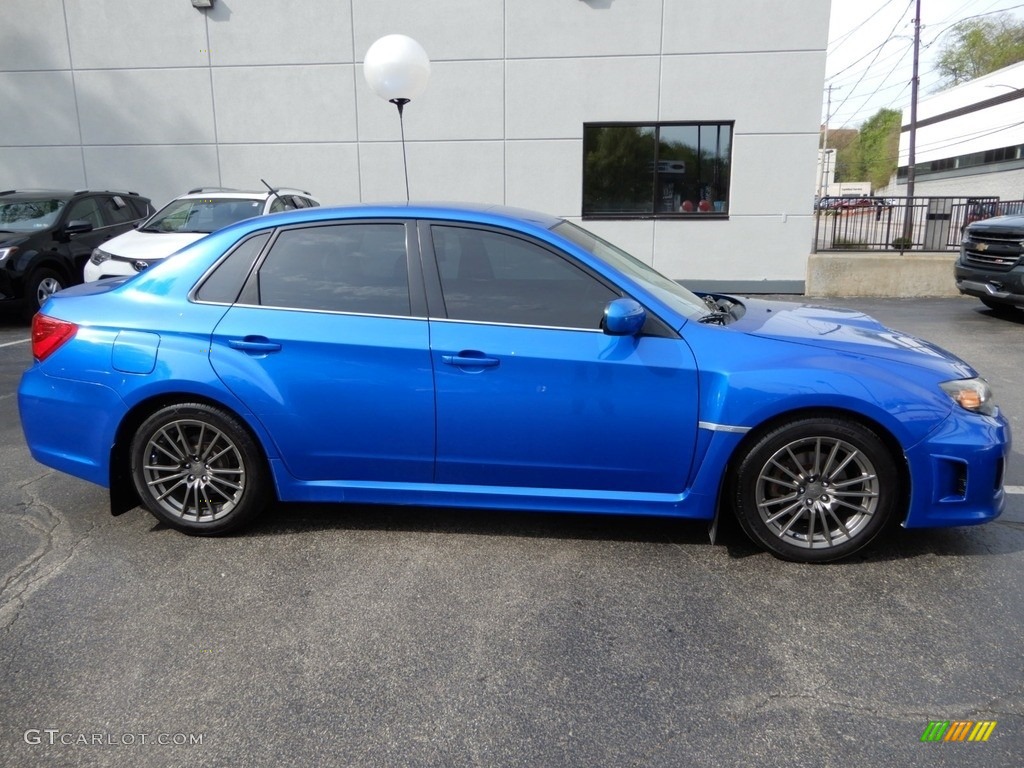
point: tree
(978, 46)
(839, 140)
(870, 154)
(879, 141)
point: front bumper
(1006, 287)
(957, 472)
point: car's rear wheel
(198, 470)
(816, 490)
(41, 285)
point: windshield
(202, 214)
(668, 291)
(29, 215)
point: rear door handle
(255, 345)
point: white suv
(184, 220)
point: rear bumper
(70, 425)
(957, 473)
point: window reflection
(669, 169)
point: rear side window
(225, 282)
(282, 203)
(141, 208)
(117, 210)
(358, 268)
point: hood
(848, 331)
(1013, 224)
(149, 246)
(12, 238)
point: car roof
(46, 194)
(234, 194)
(479, 212)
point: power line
(858, 77)
(888, 37)
(878, 48)
(843, 38)
(878, 89)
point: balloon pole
(397, 68)
(400, 103)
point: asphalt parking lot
(407, 637)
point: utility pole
(824, 169)
(824, 146)
(908, 228)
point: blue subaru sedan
(495, 358)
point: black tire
(41, 284)
(999, 307)
(816, 490)
(197, 469)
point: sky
(870, 52)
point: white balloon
(397, 67)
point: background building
(970, 140)
(684, 133)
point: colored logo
(958, 730)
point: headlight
(5, 252)
(98, 256)
(973, 394)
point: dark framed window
(493, 277)
(644, 170)
(357, 268)
(116, 210)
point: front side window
(492, 277)
(86, 209)
(357, 268)
(656, 170)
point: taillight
(48, 333)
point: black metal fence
(899, 224)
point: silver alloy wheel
(47, 287)
(817, 492)
(193, 471)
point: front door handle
(470, 360)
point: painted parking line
(12, 343)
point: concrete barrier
(886, 275)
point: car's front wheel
(197, 469)
(816, 490)
(999, 307)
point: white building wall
(155, 96)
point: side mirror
(623, 317)
(77, 227)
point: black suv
(991, 266)
(46, 236)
